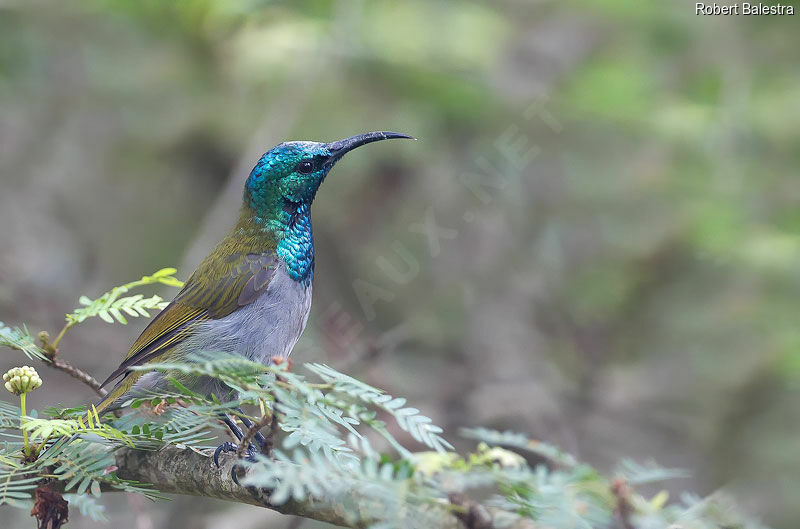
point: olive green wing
(216, 289)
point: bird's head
(289, 175)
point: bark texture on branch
(184, 471)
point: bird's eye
(305, 167)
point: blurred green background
(594, 241)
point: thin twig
(260, 423)
(58, 338)
(51, 352)
(269, 439)
(472, 514)
(624, 510)
(79, 374)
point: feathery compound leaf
(84, 465)
(9, 415)
(78, 463)
(388, 496)
(521, 441)
(575, 498)
(313, 426)
(21, 340)
(713, 512)
(88, 506)
(49, 428)
(16, 483)
(191, 426)
(638, 474)
(295, 478)
(111, 305)
(232, 369)
(409, 419)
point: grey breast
(270, 326)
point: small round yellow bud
(20, 380)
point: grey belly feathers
(270, 326)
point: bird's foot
(228, 447)
(224, 448)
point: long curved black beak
(341, 147)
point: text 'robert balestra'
(743, 9)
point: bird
(251, 296)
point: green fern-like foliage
(334, 443)
(390, 495)
(409, 419)
(16, 484)
(111, 305)
(21, 340)
(87, 505)
(86, 465)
